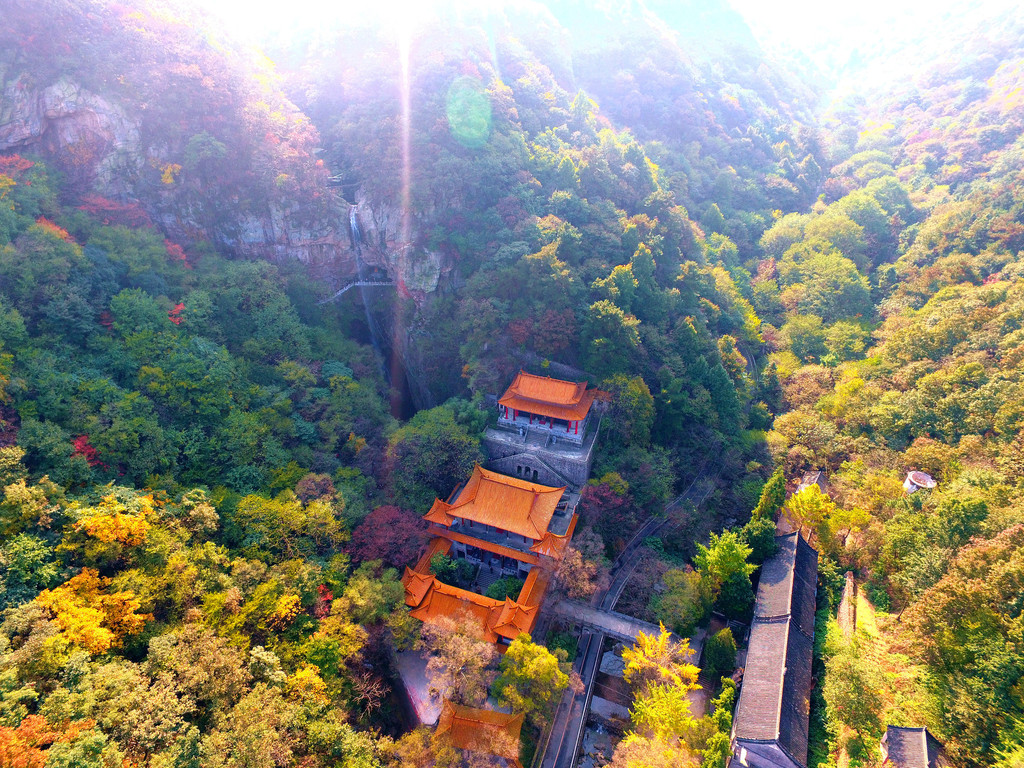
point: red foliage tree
(175, 313)
(10, 165)
(520, 331)
(613, 516)
(322, 606)
(112, 213)
(177, 253)
(314, 486)
(82, 448)
(554, 332)
(390, 534)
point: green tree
(759, 535)
(720, 654)
(686, 602)
(724, 556)
(833, 289)
(507, 587)
(531, 679)
(614, 339)
(26, 567)
(429, 456)
(773, 495)
(724, 564)
(852, 696)
(805, 335)
(632, 413)
(717, 750)
(845, 340)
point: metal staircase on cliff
(363, 281)
(357, 284)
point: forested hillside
(137, 103)
(212, 477)
(916, 370)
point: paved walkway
(412, 668)
(566, 732)
(616, 625)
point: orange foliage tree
(25, 746)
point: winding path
(566, 732)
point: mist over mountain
(258, 297)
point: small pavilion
(540, 402)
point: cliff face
(385, 244)
(91, 140)
(97, 144)
(142, 108)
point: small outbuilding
(917, 480)
(813, 478)
(912, 748)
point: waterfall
(354, 233)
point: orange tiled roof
(435, 545)
(482, 730)
(429, 599)
(504, 502)
(520, 615)
(553, 545)
(445, 600)
(439, 513)
(544, 396)
(416, 586)
(534, 587)
(514, 619)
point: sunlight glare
(257, 18)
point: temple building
(482, 731)
(546, 403)
(545, 430)
(502, 526)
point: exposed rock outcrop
(96, 143)
(391, 244)
(93, 141)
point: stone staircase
(537, 438)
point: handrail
(357, 283)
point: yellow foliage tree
(306, 686)
(659, 660)
(810, 508)
(121, 520)
(91, 618)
